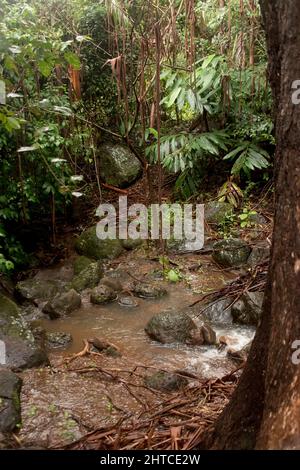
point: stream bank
(83, 390)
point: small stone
(149, 291)
(58, 339)
(127, 301)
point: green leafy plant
(248, 156)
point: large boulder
(118, 165)
(166, 381)
(171, 327)
(216, 211)
(247, 310)
(89, 245)
(102, 294)
(22, 354)
(63, 304)
(37, 290)
(88, 278)
(231, 252)
(21, 349)
(219, 311)
(10, 409)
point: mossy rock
(88, 278)
(37, 290)
(11, 322)
(10, 408)
(216, 211)
(171, 327)
(131, 244)
(102, 294)
(231, 252)
(89, 245)
(80, 263)
(63, 304)
(20, 345)
(118, 165)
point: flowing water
(124, 327)
(60, 404)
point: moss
(89, 245)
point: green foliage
(248, 156)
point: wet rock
(259, 253)
(247, 310)
(63, 304)
(131, 244)
(208, 334)
(231, 252)
(215, 212)
(112, 283)
(21, 350)
(239, 356)
(22, 354)
(203, 335)
(80, 263)
(170, 327)
(37, 290)
(119, 166)
(148, 291)
(166, 381)
(88, 278)
(104, 347)
(10, 409)
(102, 294)
(58, 339)
(31, 313)
(11, 322)
(219, 311)
(127, 301)
(89, 245)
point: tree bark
(264, 412)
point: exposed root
(173, 421)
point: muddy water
(60, 403)
(124, 327)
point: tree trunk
(264, 412)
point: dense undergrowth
(183, 83)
